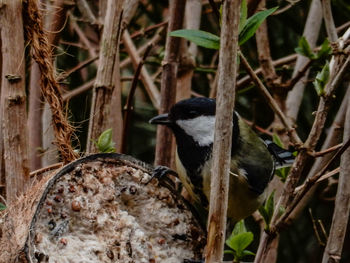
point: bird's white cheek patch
(201, 129)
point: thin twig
(150, 87)
(78, 67)
(86, 11)
(314, 225)
(300, 73)
(326, 151)
(307, 185)
(144, 31)
(128, 106)
(276, 63)
(83, 38)
(155, 39)
(273, 104)
(322, 178)
(77, 91)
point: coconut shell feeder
(101, 208)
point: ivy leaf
(2, 207)
(304, 48)
(321, 79)
(253, 23)
(199, 37)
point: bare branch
(105, 79)
(169, 76)
(13, 101)
(86, 11)
(223, 131)
(263, 45)
(150, 87)
(270, 100)
(128, 106)
(337, 233)
(329, 22)
(311, 32)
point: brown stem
(329, 22)
(341, 212)
(263, 46)
(13, 101)
(105, 78)
(168, 85)
(128, 106)
(223, 131)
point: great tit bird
(253, 160)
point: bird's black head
(195, 117)
(187, 109)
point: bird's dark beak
(160, 119)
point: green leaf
(263, 213)
(243, 15)
(282, 173)
(325, 50)
(304, 48)
(199, 37)
(105, 143)
(229, 252)
(239, 228)
(247, 253)
(321, 79)
(253, 23)
(2, 207)
(241, 241)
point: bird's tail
(283, 158)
